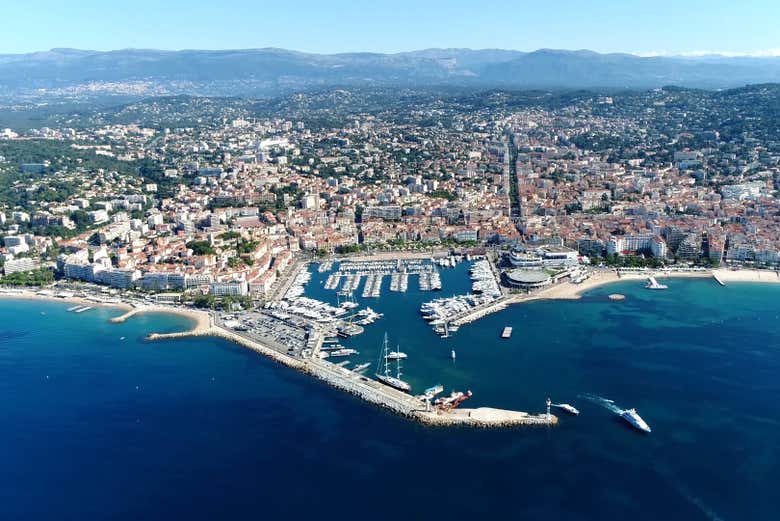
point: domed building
(527, 278)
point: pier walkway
(480, 311)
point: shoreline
(28, 294)
(370, 391)
(374, 392)
(201, 319)
(571, 291)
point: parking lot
(287, 335)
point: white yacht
(636, 421)
(396, 355)
(566, 407)
(653, 284)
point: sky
(657, 27)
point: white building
(634, 243)
(20, 265)
(231, 289)
(123, 279)
(98, 216)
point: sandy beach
(727, 275)
(201, 318)
(27, 294)
(569, 290)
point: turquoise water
(94, 427)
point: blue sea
(98, 423)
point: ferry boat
(386, 378)
(566, 407)
(653, 284)
(636, 421)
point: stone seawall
(375, 392)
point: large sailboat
(385, 377)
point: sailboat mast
(387, 364)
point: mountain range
(269, 71)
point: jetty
(480, 311)
(373, 391)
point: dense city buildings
(220, 197)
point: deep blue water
(94, 427)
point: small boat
(636, 421)
(360, 368)
(431, 392)
(566, 407)
(452, 354)
(343, 352)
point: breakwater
(375, 392)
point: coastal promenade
(600, 277)
(392, 255)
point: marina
(399, 281)
(373, 286)
(302, 331)
(350, 274)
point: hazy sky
(646, 27)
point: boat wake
(603, 402)
(686, 493)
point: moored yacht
(385, 377)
